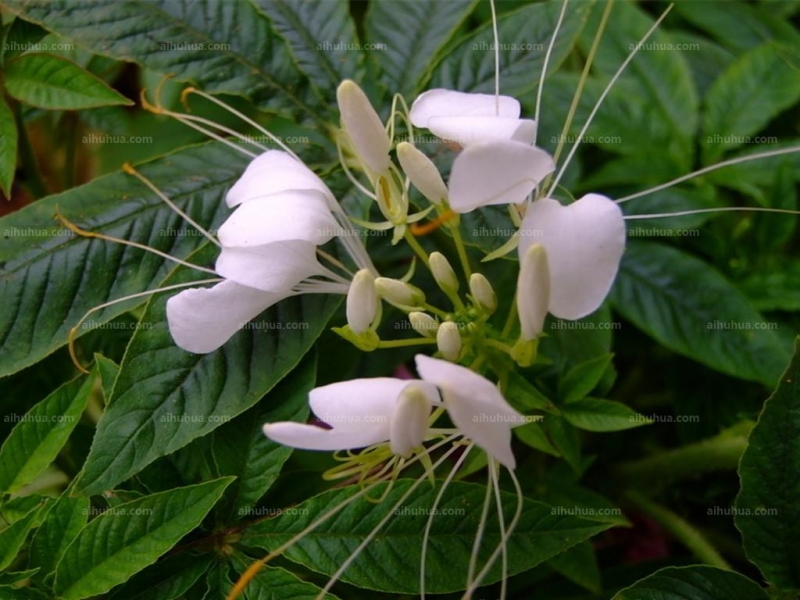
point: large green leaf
(55, 83)
(66, 517)
(753, 90)
(124, 540)
(525, 35)
(693, 583)
(391, 562)
(166, 397)
(51, 278)
(711, 322)
(218, 45)
(41, 433)
(168, 579)
(767, 512)
(8, 147)
(404, 60)
(321, 37)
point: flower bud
(533, 291)
(362, 302)
(422, 172)
(448, 340)
(398, 292)
(423, 323)
(409, 422)
(482, 292)
(363, 126)
(443, 273)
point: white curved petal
(273, 268)
(272, 172)
(409, 424)
(364, 126)
(448, 103)
(311, 437)
(475, 405)
(422, 172)
(202, 319)
(526, 131)
(290, 215)
(584, 243)
(496, 173)
(466, 131)
(357, 404)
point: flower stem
(681, 529)
(415, 245)
(406, 343)
(462, 250)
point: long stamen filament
(710, 210)
(473, 559)
(496, 59)
(544, 68)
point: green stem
(462, 251)
(33, 175)
(415, 245)
(436, 311)
(681, 529)
(406, 343)
(511, 319)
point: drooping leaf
(767, 512)
(698, 582)
(391, 563)
(123, 541)
(54, 83)
(8, 147)
(656, 289)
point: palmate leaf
(391, 562)
(218, 45)
(51, 278)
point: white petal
(475, 405)
(274, 267)
(292, 215)
(526, 131)
(584, 243)
(362, 301)
(272, 172)
(448, 103)
(533, 291)
(409, 424)
(357, 404)
(202, 319)
(364, 126)
(466, 131)
(496, 173)
(422, 172)
(311, 437)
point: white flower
(448, 340)
(363, 126)
(362, 301)
(269, 252)
(583, 242)
(533, 291)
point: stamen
(704, 170)
(420, 229)
(128, 168)
(473, 558)
(501, 523)
(607, 89)
(334, 261)
(708, 210)
(73, 332)
(544, 67)
(496, 59)
(349, 173)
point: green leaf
(533, 434)
(566, 440)
(579, 564)
(697, 582)
(772, 231)
(526, 34)
(657, 290)
(66, 517)
(405, 62)
(594, 414)
(41, 433)
(54, 83)
(168, 579)
(9, 578)
(669, 201)
(8, 147)
(149, 414)
(570, 343)
(22, 37)
(274, 583)
(767, 512)
(774, 288)
(583, 378)
(121, 542)
(52, 278)
(749, 94)
(391, 562)
(13, 536)
(321, 37)
(219, 46)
